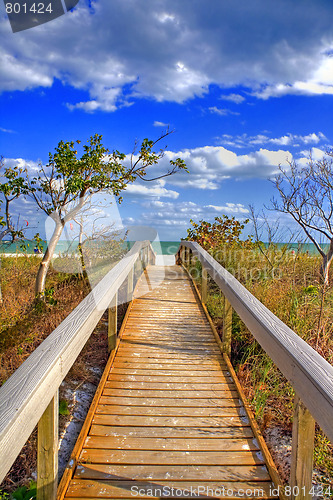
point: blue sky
(244, 85)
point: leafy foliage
(225, 230)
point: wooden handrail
(31, 390)
(310, 374)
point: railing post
(47, 452)
(112, 323)
(227, 327)
(130, 285)
(302, 452)
(204, 283)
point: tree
(11, 187)
(225, 230)
(306, 195)
(67, 182)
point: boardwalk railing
(30, 395)
(310, 375)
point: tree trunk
(45, 264)
(325, 266)
(80, 249)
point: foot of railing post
(204, 282)
(47, 452)
(112, 323)
(227, 327)
(302, 452)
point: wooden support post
(302, 452)
(227, 327)
(137, 270)
(47, 452)
(112, 323)
(185, 256)
(204, 283)
(130, 285)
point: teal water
(160, 248)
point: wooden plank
(164, 360)
(171, 432)
(221, 378)
(169, 393)
(179, 472)
(92, 456)
(155, 421)
(168, 373)
(197, 402)
(212, 367)
(170, 443)
(231, 490)
(47, 452)
(162, 385)
(308, 372)
(172, 356)
(169, 411)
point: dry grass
(24, 327)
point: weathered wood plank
(170, 432)
(180, 472)
(172, 411)
(146, 421)
(130, 365)
(171, 457)
(234, 490)
(221, 378)
(197, 402)
(170, 393)
(162, 385)
(170, 443)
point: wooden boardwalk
(168, 414)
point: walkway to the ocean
(169, 414)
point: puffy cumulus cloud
(244, 140)
(209, 166)
(170, 50)
(155, 190)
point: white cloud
(160, 124)
(150, 191)
(173, 51)
(236, 98)
(174, 217)
(244, 140)
(7, 131)
(222, 111)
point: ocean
(160, 247)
